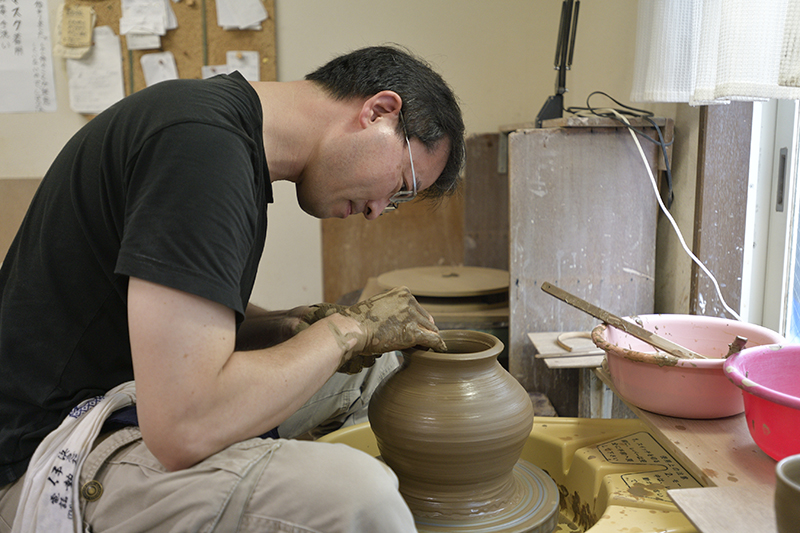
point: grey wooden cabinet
(582, 213)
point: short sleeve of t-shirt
(191, 212)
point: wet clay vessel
(452, 427)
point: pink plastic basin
(769, 377)
(683, 388)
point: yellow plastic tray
(612, 475)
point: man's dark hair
(430, 109)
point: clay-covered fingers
(310, 314)
(430, 339)
(393, 320)
(320, 311)
(428, 333)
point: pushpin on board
(246, 62)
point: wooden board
(485, 204)
(546, 344)
(470, 228)
(16, 195)
(718, 452)
(586, 361)
(739, 478)
(727, 509)
(418, 234)
(584, 353)
(722, 185)
(583, 217)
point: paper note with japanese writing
(74, 28)
(26, 62)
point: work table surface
(738, 478)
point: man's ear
(383, 105)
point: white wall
(496, 54)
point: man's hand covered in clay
(392, 320)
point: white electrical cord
(672, 220)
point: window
(771, 279)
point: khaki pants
(9, 498)
(259, 485)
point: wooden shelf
(739, 478)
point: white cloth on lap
(50, 494)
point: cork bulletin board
(197, 41)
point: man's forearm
(195, 394)
(262, 328)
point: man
(137, 259)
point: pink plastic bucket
(683, 388)
(769, 377)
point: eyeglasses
(404, 196)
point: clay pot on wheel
(452, 426)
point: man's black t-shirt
(169, 185)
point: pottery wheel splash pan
(612, 474)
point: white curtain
(714, 51)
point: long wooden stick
(627, 326)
